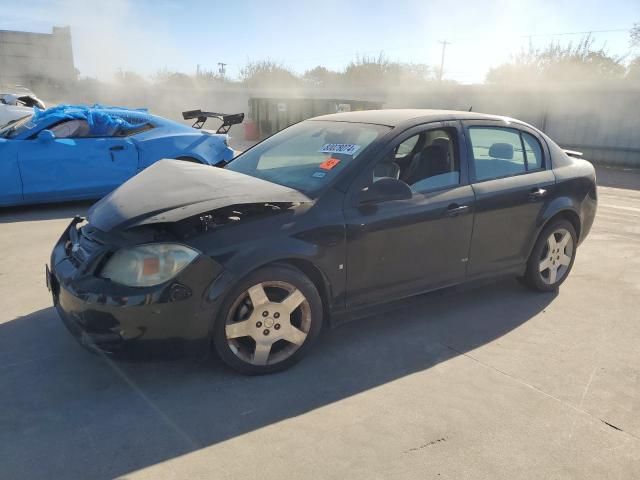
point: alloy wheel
(556, 256)
(268, 323)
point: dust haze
(574, 90)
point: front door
(68, 168)
(402, 247)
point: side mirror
(46, 136)
(384, 190)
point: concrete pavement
(489, 382)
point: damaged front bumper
(173, 317)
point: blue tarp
(101, 121)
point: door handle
(115, 148)
(454, 209)
(537, 193)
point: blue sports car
(79, 152)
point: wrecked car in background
(78, 152)
(17, 103)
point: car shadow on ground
(67, 413)
(49, 211)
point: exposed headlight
(147, 265)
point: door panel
(75, 167)
(400, 248)
(10, 183)
(506, 215)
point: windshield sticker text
(344, 148)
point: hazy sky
(146, 35)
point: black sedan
(325, 218)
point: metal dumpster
(273, 114)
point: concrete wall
(35, 57)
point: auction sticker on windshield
(344, 148)
(329, 163)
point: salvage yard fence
(602, 122)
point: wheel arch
(216, 293)
(316, 275)
(571, 216)
(311, 271)
(560, 208)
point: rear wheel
(552, 257)
(268, 321)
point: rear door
(513, 181)
(75, 166)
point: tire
(283, 325)
(549, 256)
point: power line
(586, 32)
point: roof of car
(394, 117)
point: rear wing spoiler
(228, 119)
(572, 153)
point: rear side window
(134, 131)
(502, 152)
(533, 151)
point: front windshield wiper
(10, 126)
(10, 122)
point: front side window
(503, 152)
(99, 124)
(307, 156)
(75, 128)
(426, 161)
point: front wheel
(552, 256)
(268, 321)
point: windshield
(308, 155)
(16, 127)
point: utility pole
(444, 47)
(221, 68)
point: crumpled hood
(172, 190)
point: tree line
(580, 62)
